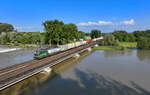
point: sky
(105, 15)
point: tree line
(141, 37)
(17, 38)
(55, 33)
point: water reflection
(100, 73)
(93, 84)
(144, 55)
(115, 53)
(36, 82)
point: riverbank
(107, 48)
(8, 49)
(122, 46)
(128, 44)
(12, 47)
(20, 45)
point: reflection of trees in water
(114, 53)
(69, 63)
(143, 55)
(92, 84)
(36, 82)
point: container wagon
(42, 53)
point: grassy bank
(128, 44)
(122, 46)
(107, 48)
(21, 45)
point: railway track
(13, 73)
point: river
(93, 73)
(15, 57)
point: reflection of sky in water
(15, 57)
(101, 73)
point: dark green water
(95, 73)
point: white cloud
(87, 24)
(105, 23)
(95, 23)
(128, 22)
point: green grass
(107, 48)
(122, 46)
(31, 45)
(128, 44)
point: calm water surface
(95, 73)
(15, 57)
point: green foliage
(143, 43)
(53, 30)
(122, 48)
(139, 34)
(141, 37)
(124, 36)
(56, 32)
(128, 44)
(20, 37)
(82, 34)
(12, 37)
(3, 38)
(109, 40)
(70, 32)
(121, 36)
(4, 27)
(95, 33)
(131, 37)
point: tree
(20, 38)
(5, 27)
(131, 37)
(82, 34)
(121, 35)
(56, 32)
(13, 37)
(36, 37)
(139, 34)
(53, 28)
(70, 32)
(143, 43)
(3, 38)
(95, 33)
(109, 40)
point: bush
(143, 43)
(95, 33)
(109, 40)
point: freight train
(45, 52)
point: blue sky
(106, 15)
